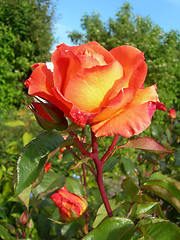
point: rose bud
(47, 167)
(172, 113)
(71, 206)
(48, 115)
(23, 218)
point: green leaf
(158, 229)
(4, 234)
(74, 186)
(24, 196)
(144, 208)
(16, 123)
(168, 134)
(109, 165)
(101, 213)
(177, 157)
(130, 188)
(129, 166)
(156, 131)
(13, 148)
(27, 137)
(32, 159)
(49, 183)
(166, 188)
(146, 143)
(111, 228)
(65, 143)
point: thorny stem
(99, 165)
(110, 149)
(99, 178)
(81, 147)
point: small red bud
(23, 218)
(172, 113)
(71, 206)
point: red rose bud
(71, 206)
(172, 113)
(23, 218)
(49, 116)
(47, 167)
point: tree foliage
(162, 50)
(25, 38)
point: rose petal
(66, 64)
(126, 124)
(132, 61)
(90, 88)
(93, 47)
(71, 111)
(115, 105)
(131, 120)
(40, 82)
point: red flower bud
(23, 218)
(48, 115)
(71, 206)
(47, 167)
(172, 113)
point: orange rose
(71, 206)
(94, 86)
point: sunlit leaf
(159, 229)
(111, 228)
(146, 143)
(101, 213)
(4, 234)
(166, 188)
(27, 137)
(16, 123)
(33, 157)
(24, 196)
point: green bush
(25, 38)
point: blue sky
(165, 13)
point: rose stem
(80, 145)
(99, 178)
(111, 147)
(170, 133)
(84, 178)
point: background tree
(25, 38)
(162, 50)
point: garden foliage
(73, 179)
(25, 38)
